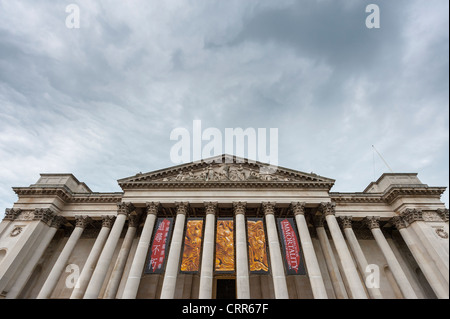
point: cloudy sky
(100, 101)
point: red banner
(159, 246)
(291, 247)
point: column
(116, 276)
(101, 269)
(332, 266)
(361, 260)
(26, 273)
(173, 261)
(350, 272)
(440, 256)
(58, 268)
(134, 277)
(397, 271)
(91, 261)
(314, 274)
(242, 272)
(276, 260)
(425, 264)
(207, 272)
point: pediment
(225, 170)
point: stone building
(225, 228)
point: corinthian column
(276, 260)
(134, 277)
(26, 273)
(361, 260)
(425, 264)
(53, 277)
(207, 272)
(314, 274)
(173, 261)
(242, 272)
(99, 275)
(350, 271)
(440, 256)
(92, 259)
(397, 271)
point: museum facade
(225, 228)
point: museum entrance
(226, 288)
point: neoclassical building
(225, 228)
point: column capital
(210, 208)
(443, 213)
(318, 221)
(269, 208)
(327, 209)
(108, 221)
(398, 222)
(239, 208)
(133, 220)
(372, 222)
(57, 221)
(125, 208)
(412, 215)
(12, 213)
(298, 208)
(345, 221)
(153, 208)
(43, 214)
(82, 221)
(182, 207)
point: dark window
(226, 289)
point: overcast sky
(101, 101)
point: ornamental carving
(16, 231)
(443, 213)
(412, 215)
(372, 222)
(239, 208)
(153, 208)
(12, 213)
(398, 222)
(210, 208)
(345, 221)
(327, 209)
(257, 247)
(268, 208)
(442, 233)
(298, 208)
(108, 221)
(431, 217)
(125, 208)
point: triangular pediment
(225, 169)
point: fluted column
(116, 275)
(91, 261)
(349, 268)
(104, 261)
(397, 271)
(207, 272)
(242, 272)
(425, 264)
(361, 260)
(58, 268)
(440, 256)
(312, 265)
(276, 260)
(26, 273)
(134, 277)
(173, 261)
(330, 259)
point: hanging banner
(257, 247)
(291, 247)
(159, 248)
(225, 245)
(190, 262)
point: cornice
(396, 191)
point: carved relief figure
(192, 246)
(257, 246)
(225, 246)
